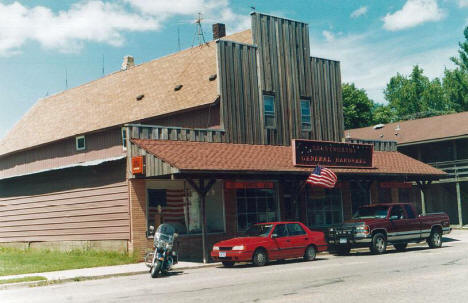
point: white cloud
(463, 3)
(359, 12)
(370, 65)
(101, 21)
(329, 36)
(67, 30)
(212, 11)
(413, 13)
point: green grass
(15, 261)
(24, 279)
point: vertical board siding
(327, 102)
(94, 213)
(239, 92)
(282, 67)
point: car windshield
(260, 230)
(371, 212)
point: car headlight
(238, 247)
(215, 247)
(362, 229)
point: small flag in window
(322, 177)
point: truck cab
(377, 225)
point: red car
(270, 241)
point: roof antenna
(199, 32)
(102, 64)
(66, 78)
(178, 38)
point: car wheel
(379, 244)
(260, 257)
(228, 263)
(342, 250)
(310, 253)
(435, 239)
(400, 246)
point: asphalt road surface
(417, 275)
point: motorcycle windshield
(165, 232)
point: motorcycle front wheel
(156, 269)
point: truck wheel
(228, 263)
(400, 246)
(260, 257)
(435, 239)
(342, 250)
(310, 253)
(379, 244)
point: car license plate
(222, 254)
(343, 240)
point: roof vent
(128, 62)
(178, 87)
(212, 77)
(379, 126)
(139, 97)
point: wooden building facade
(243, 97)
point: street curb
(81, 278)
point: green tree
(357, 107)
(455, 81)
(382, 114)
(416, 96)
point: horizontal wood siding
(86, 214)
(237, 67)
(85, 203)
(102, 145)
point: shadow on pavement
(272, 263)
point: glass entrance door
(323, 207)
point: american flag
(322, 177)
(174, 208)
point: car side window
(295, 229)
(281, 230)
(397, 212)
(409, 211)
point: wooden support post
(202, 190)
(422, 186)
(459, 203)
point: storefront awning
(227, 158)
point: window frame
(275, 204)
(77, 139)
(269, 113)
(309, 101)
(123, 134)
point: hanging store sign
(331, 154)
(137, 165)
(242, 185)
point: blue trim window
(306, 117)
(269, 111)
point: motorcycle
(164, 256)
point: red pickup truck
(377, 225)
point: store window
(324, 207)
(306, 119)
(269, 115)
(176, 203)
(255, 205)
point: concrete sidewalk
(94, 273)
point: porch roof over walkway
(227, 158)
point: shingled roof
(111, 100)
(227, 157)
(420, 130)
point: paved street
(418, 275)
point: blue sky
(43, 40)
